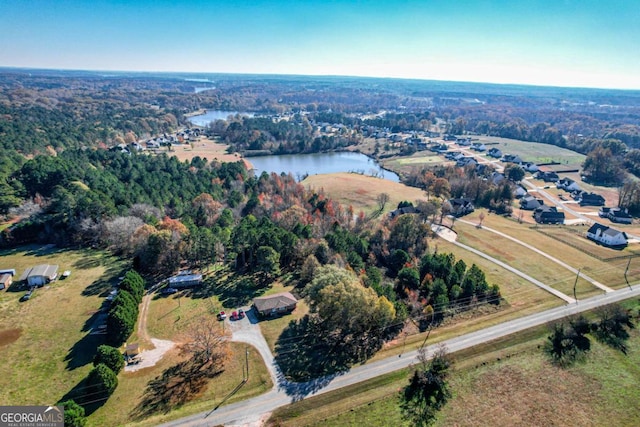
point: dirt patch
(9, 336)
(521, 395)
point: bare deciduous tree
(382, 199)
(206, 344)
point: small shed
(131, 350)
(185, 281)
(40, 274)
(5, 281)
(271, 305)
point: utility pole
(246, 356)
(574, 286)
(625, 273)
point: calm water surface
(212, 116)
(320, 163)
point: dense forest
(61, 184)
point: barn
(39, 275)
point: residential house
(275, 304)
(463, 141)
(607, 236)
(438, 148)
(548, 215)
(478, 146)
(454, 155)
(590, 199)
(185, 281)
(497, 178)
(5, 281)
(40, 275)
(530, 203)
(547, 176)
(511, 158)
(461, 206)
(530, 167)
(567, 184)
(11, 271)
(617, 215)
(466, 161)
(520, 191)
(494, 152)
(403, 211)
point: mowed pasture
(569, 244)
(503, 383)
(525, 260)
(534, 151)
(47, 345)
(361, 191)
(51, 347)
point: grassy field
(361, 191)
(525, 260)
(508, 382)
(568, 243)
(47, 348)
(535, 152)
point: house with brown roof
(275, 304)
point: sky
(576, 43)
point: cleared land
(504, 383)
(361, 191)
(525, 260)
(206, 149)
(535, 152)
(569, 244)
(47, 346)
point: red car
(241, 313)
(234, 316)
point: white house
(568, 184)
(607, 236)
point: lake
(320, 163)
(212, 116)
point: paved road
(251, 410)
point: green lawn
(47, 349)
(503, 383)
(50, 349)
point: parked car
(65, 274)
(222, 315)
(26, 297)
(168, 291)
(241, 313)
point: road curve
(251, 409)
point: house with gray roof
(39, 275)
(607, 236)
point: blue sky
(550, 42)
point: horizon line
(536, 85)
